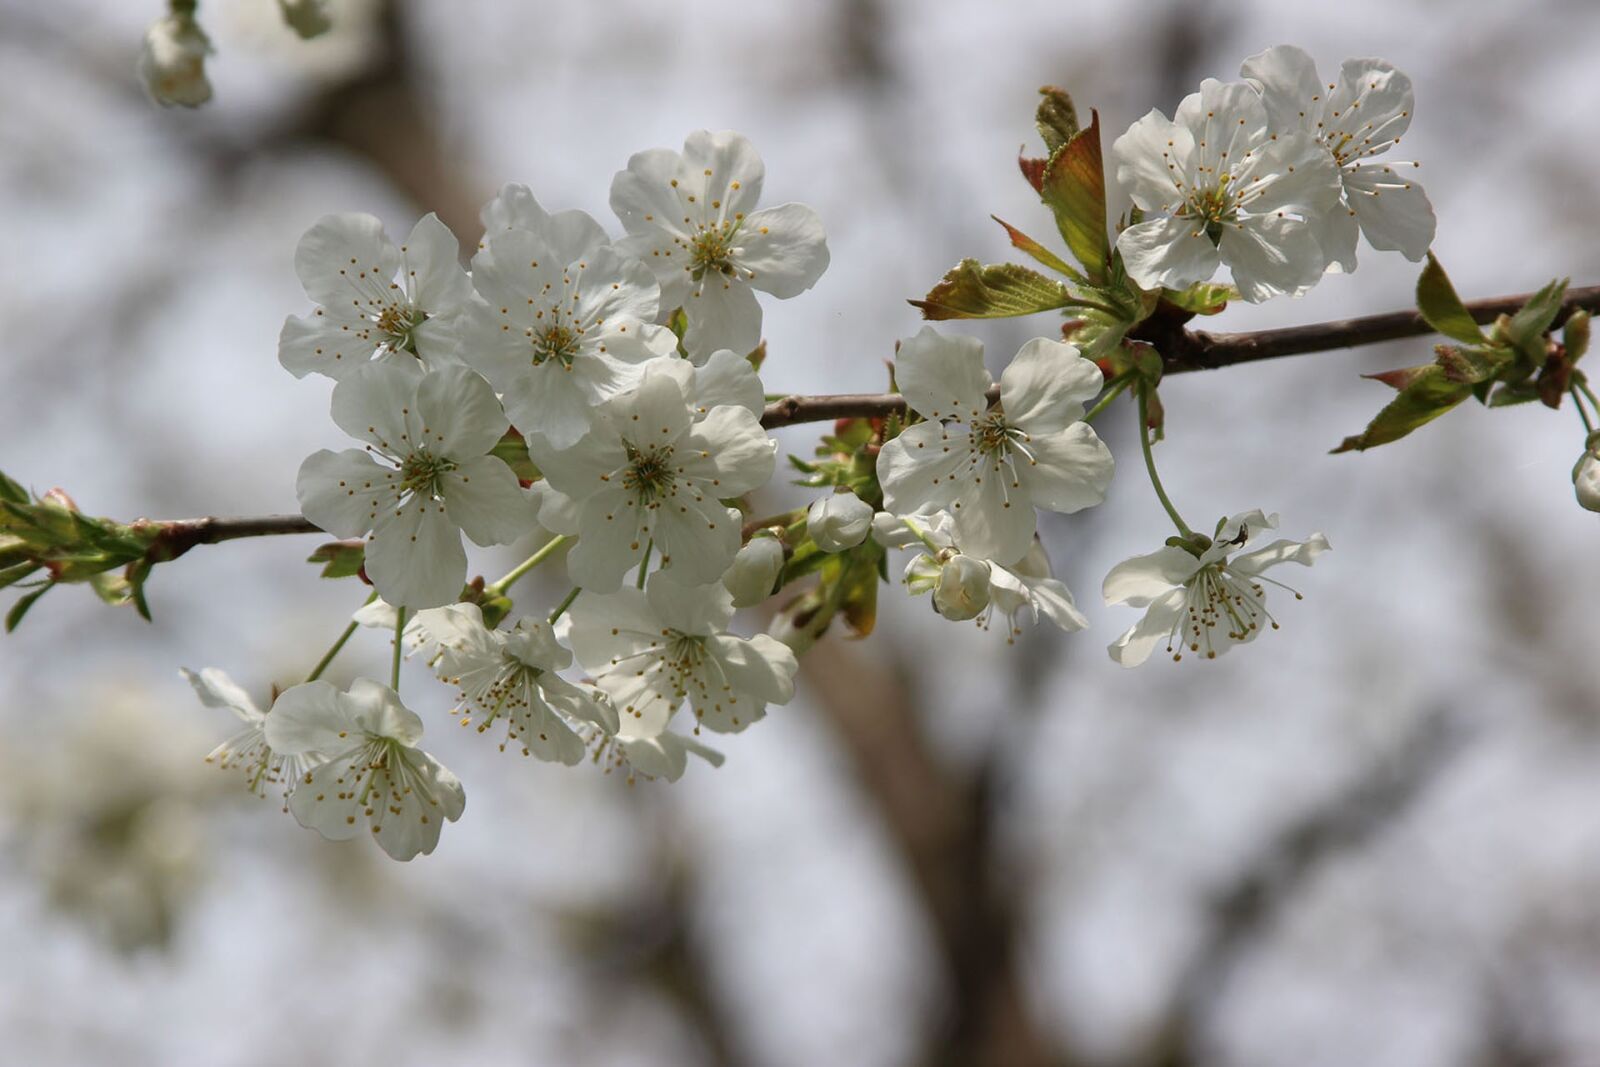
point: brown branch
(180, 535)
(1184, 350)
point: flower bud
(962, 589)
(754, 572)
(1586, 481)
(173, 62)
(839, 521)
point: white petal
(1287, 79)
(461, 416)
(726, 377)
(994, 519)
(644, 196)
(719, 160)
(415, 805)
(1394, 212)
(687, 607)
(483, 497)
(1149, 156)
(320, 344)
(1292, 173)
(1138, 581)
(431, 261)
(415, 558)
(343, 492)
(696, 538)
(346, 258)
(377, 403)
(557, 512)
(1372, 102)
(1141, 639)
(1070, 471)
(310, 718)
(1282, 551)
(757, 672)
(782, 250)
(1045, 387)
(1167, 252)
(917, 469)
(1227, 121)
(216, 690)
(611, 541)
(1337, 232)
(328, 799)
(736, 451)
(614, 286)
(723, 313)
(378, 710)
(1272, 256)
(548, 401)
(942, 376)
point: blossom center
(422, 473)
(400, 322)
(712, 250)
(650, 474)
(1220, 607)
(559, 343)
(1214, 207)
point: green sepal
(20, 608)
(1442, 308)
(512, 450)
(1575, 335)
(972, 290)
(1527, 327)
(1201, 298)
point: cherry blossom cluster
(1275, 176)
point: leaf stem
(1150, 462)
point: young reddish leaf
(1425, 394)
(1039, 251)
(1074, 188)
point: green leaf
(1473, 364)
(343, 559)
(1074, 188)
(1507, 393)
(11, 492)
(971, 290)
(1425, 393)
(17, 572)
(20, 608)
(1533, 320)
(1039, 252)
(513, 451)
(1442, 308)
(1056, 118)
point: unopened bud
(754, 572)
(173, 62)
(1586, 481)
(962, 589)
(839, 521)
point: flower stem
(921, 535)
(1584, 387)
(561, 608)
(644, 564)
(399, 648)
(516, 573)
(1150, 462)
(1104, 402)
(338, 645)
(1577, 402)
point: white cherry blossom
(653, 755)
(654, 469)
(561, 322)
(1207, 603)
(968, 587)
(1355, 119)
(374, 300)
(572, 234)
(511, 675)
(424, 479)
(247, 749)
(651, 649)
(1217, 186)
(991, 467)
(1586, 482)
(370, 772)
(692, 219)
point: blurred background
(1371, 838)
